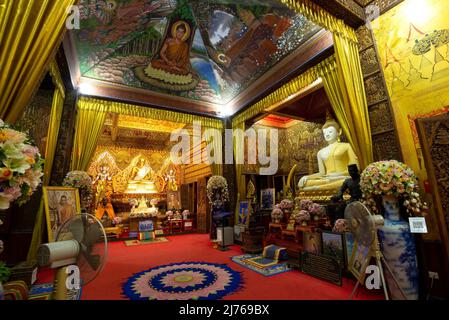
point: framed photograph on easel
(360, 259)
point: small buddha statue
(333, 161)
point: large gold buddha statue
(141, 179)
(333, 161)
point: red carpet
(124, 261)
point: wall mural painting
(202, 50)
(413, 42)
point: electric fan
(81, 241)
(363, 225)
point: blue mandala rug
(183, 281)
(245, 260)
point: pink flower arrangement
(305, 204)
(391, 178)
(277, 214)
(286, 204)
(21, 166)
(302, 216)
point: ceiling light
(86, 88)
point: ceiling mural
(207, 51)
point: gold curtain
(215, 140)
(238, 129)
(147, 112)
(50, 149)
(30, 32)
(350, 81)
(335, 91)
(89, 123)
(350, 77)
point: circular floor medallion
(183, 281)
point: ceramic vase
(398, 247)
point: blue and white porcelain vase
(398, 247)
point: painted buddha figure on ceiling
(333, 161)
(171, 68)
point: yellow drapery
(91, 116)
(350, 76)
(239, 129)
(89, 123)
(30, 32)
(148, 112)
(214, 139)
(52, 140)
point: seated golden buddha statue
(333, 161)
(141, 179)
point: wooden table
(175, 225)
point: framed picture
(333, 246)
(267, 199)
(173, 200)
(61, 203)
(360, 258)
(244, 212)
(312, 242)
(349, 246)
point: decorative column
(383, 128)
(63, 154)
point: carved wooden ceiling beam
(348, 10)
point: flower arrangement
(305, 204)
(314, 210)
(185, 214)
(286, 204)
(277, 214)
(391, 178)
(21, 166)
(116, 221)
(341, 225)
(169, 214)
(82, 181)
(302, 217)
(217, 189)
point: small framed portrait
(173, 200)
(244, 212)
(312, 242)
(61, 203)
(360, 259)
(333, 246)
(267, 199)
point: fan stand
(222, 247)
(378, 255)
(59, 284)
